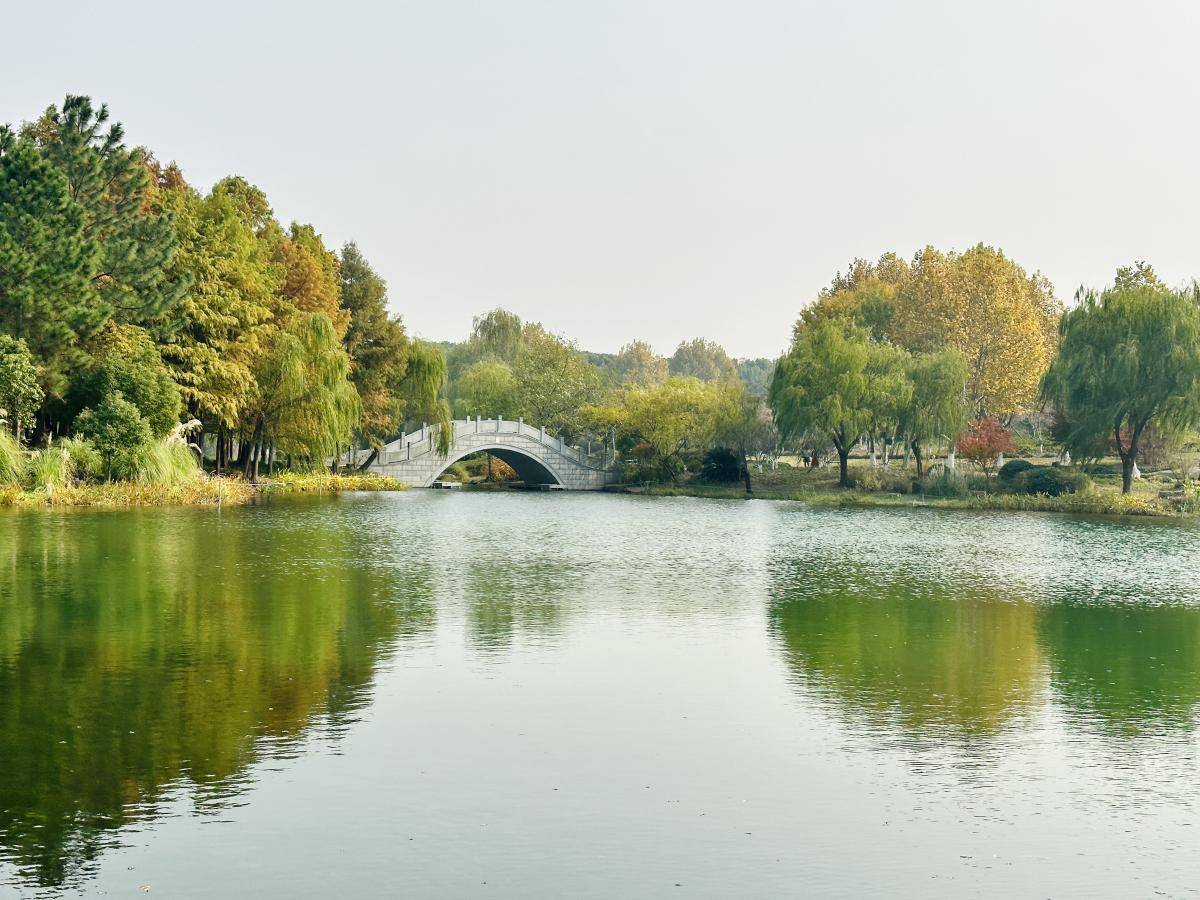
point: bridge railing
(424, 441)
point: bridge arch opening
(530, 470)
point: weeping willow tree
(1129, 358)
(305, 404)
(424, 391)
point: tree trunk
(246, 452)
(746, 474)
(370, 461)
(916, 451)
(1128, 457)
(844, 466)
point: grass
(51, 469)
(820, 487)
(13, 460)
(168, 464)
(114, 494)
(322, 482)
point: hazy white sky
(659, 169)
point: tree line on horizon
(132, 302)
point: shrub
(1014, 467)
(1052, 482)
(13, 461)
(721, 466)
(118, 432)
(86, 462)
(457, 472)
(984, 442)
(873, 479)
(946, 484)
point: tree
(937, 406)
(983, 443)
(638, 364)
(487, 388)
(682, 412)
(311, 277)
(20, 387)
(423, 390)
(554, 381)
(744, 425)
(378, 348)
(1128, 358)
(211, 338)
(822, 386)
(118, 432)
(305, 403)
(979, 302)
(984, 305)
(888, 393)
(123, 359)
(47, 297)
(109, 184)
(706, 360)
(756, 373)
(866, 293)
(496, 335)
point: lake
(452, 694)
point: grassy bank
(326, 483)
(224, 491)
(113, 494)
(820, 487)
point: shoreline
(1104, 503)
(233, 491)
(214, 491)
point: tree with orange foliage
(983, 443)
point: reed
(14, 462)
(51, 469)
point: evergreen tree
(46, 260)
(378, 348)
(109, 184)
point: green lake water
(435, 694)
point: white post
(477, 418)
(520, 422)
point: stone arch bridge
(538, 458)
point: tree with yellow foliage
(981, 303)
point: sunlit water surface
(451, 694)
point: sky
(661, 169)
